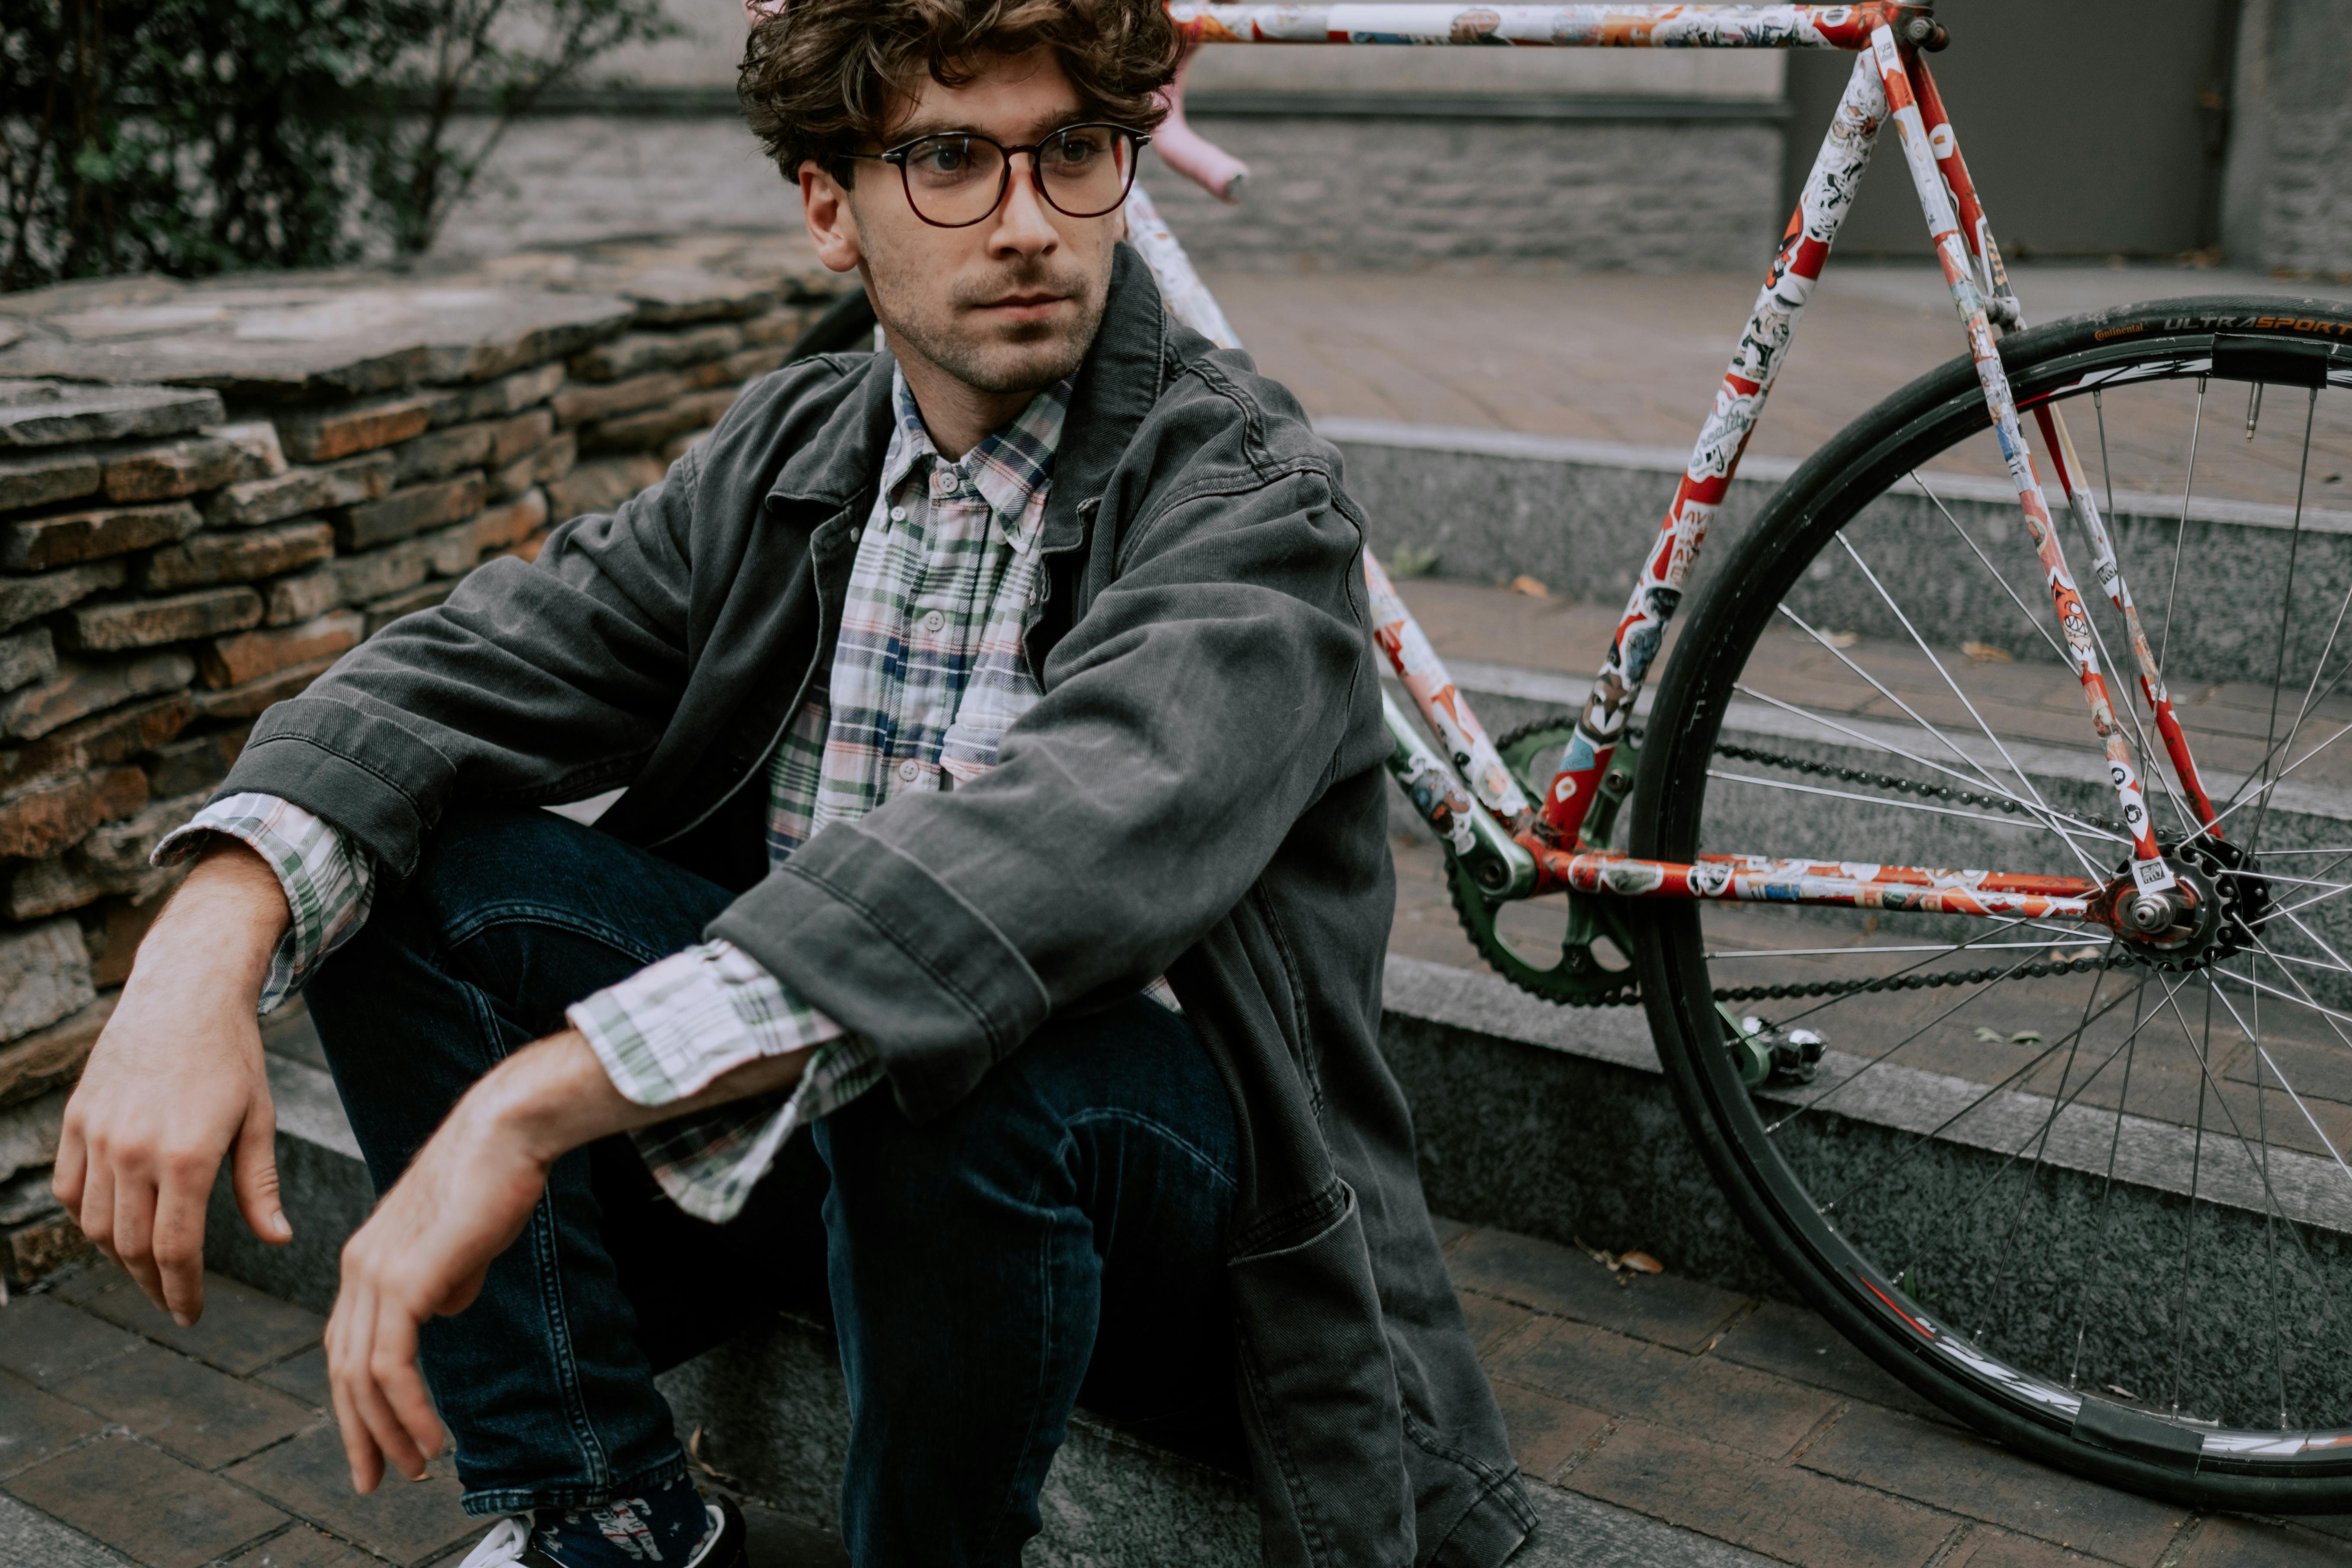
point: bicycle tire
(1758, 1169)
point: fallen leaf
(2026, 1037)
(1985, 653)
(1840, 639)
(1623, 1265)
(2120, 1388)
(694, 1453)
(1532, 587)
(1990, 1036)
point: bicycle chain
(2116, 957)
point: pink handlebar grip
(1188, 152)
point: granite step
(771, 1412)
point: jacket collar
(1114, 390)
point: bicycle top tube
(1549, 26)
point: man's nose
(1024, 224)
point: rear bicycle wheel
(2089, 1195)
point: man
(964, 693)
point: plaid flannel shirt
(926, 676)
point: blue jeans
(1057, 1238)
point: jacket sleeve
(1194, 712)
(534, 682)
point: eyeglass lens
(958, 179)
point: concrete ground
(1748, 1426)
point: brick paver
(1749, 1422)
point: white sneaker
(508, 1542)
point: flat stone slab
(42, 414)
(298, 341)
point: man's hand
(464, 1199)
(176, 1082)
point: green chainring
(1581, 978)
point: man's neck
(960, 417)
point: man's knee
(1048, 1126)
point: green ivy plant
(191, 137)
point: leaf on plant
(1990, 1036)
(1985, 653)
(1533, 587)
(2026, 1037)
(1410, 561)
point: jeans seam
(504, 1500)
(485, 917)
(1008, 1510)
(548, 1265)
(1167, 1134)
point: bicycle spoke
(1889, 599)
(1956, 1116)
(2030, 620)
(2188, 490)
(2009, 822)
(2115, 1139)
(2278, 669)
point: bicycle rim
(2093, 1197)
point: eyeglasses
(959, 178)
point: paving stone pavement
(127, 1440)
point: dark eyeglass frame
(899, 154)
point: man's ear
(826, 206)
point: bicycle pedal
(1769, 1054)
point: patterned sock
(662, 1526)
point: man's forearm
(554, 1096)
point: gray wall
(2092, 128)
(2289, 194)
(1402, 193)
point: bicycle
(1935, 1138)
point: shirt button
(898, 514)
(943, 484)
(910, 769)
(934, 622)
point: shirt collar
(1010, 469)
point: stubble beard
(1028, 357)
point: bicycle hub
(2215, 910)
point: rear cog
(1579, 977)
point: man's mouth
(1023, 307)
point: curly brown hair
(819, 77)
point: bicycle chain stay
(1581, 980)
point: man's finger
(72, 1164)
(393, 1363)
(134, 1230)
(391, 1438)
(253, 1173)
(359, 1448)
(95, 1215)
(179, 1241)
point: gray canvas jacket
(1199, 792)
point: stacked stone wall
(178, 554)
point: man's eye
(943, 158)
(1074, 151)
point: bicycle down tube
(1881, 86)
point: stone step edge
(1756, 470)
